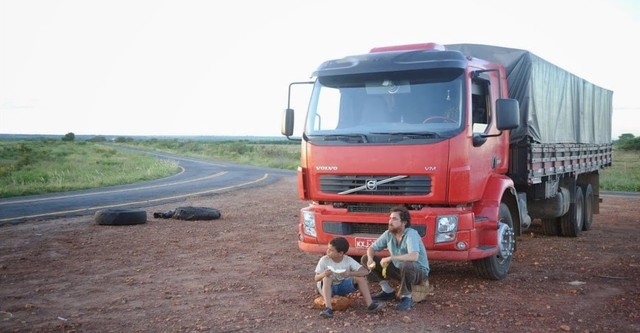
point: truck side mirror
(507, 114)
(287, 123)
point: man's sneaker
(375, 307)
(326, 313)
(382, 296)
(405, 304)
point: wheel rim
(506, 242)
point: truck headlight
(309, 223)
(446, 228)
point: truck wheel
(496, 267)
(571, 222)
(588, 206)
(551, 226)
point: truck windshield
(412, 105)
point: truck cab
(415, 125)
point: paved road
(197, 178)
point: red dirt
(244, 273)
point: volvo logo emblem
(372, 184)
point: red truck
(477, 141)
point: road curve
(198, 177)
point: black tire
(588, 206)
(551, 226)
(496, 267)
(115, 216)
(571, 223)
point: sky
(186, 67)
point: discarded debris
(190, 213)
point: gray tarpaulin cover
(555, 105)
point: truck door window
(480, 106)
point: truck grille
(410, 185)
(348, 229)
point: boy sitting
(341, 275)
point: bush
(69, 137)
(123, 139)
(628, 142)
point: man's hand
(385, 261)
(371, 264)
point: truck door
(485, 155)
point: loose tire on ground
(118, 216)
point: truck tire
(119, 216)
(551, 226)
(497, 266)
(571, 223)
(588, 206)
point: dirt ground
(245, 273)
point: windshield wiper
(411, 135)
(346, 137)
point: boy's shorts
(343, 288)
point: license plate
(363, 243)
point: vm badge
(371, 185)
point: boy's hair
(340, 244)
(404, 214)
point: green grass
(624, 174)
(44, 166)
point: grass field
(43, 166)
(624, 174)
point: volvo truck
(477, 141)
